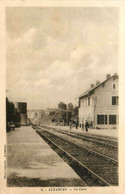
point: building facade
(99, 104)
(22, 107)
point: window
(91, 92)
(115, 100)
(88, 100)
(113, 86)
(112, 119)
(101, 119)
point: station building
(99, 104)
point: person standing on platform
(91, 124)
(83, 125)
(70, 124)
(86, 125)
(77, 124)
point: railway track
(101, 147)
(101, 151)
(113, 144)
(94, 168)
(109, 142)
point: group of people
(72, 124)
(87, 125)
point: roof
(90, 90)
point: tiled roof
(88, 92)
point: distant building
(22, 107)
(99, 104)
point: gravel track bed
(91, 145)
(105, 169)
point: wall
(86, 112)
(104, 102)
(101, 103)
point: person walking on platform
(86, 125)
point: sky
(54, 54)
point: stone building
(99, 104)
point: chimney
(92, 86)
(116, 74)
(97, 82)
(108, 76)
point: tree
(75, 113)
(62, 106)
(70, 107)
(9, 110)
(9, 113)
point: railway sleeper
(80, 147)
(87, 175)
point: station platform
(31, 162)
(103, 132)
